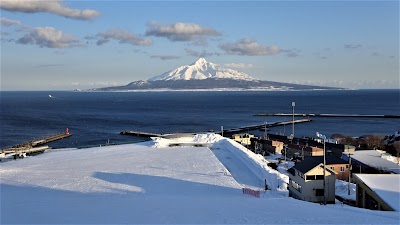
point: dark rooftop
(291, 171)
(306, 165)
(330, 159)
(310, 162)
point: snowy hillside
(200, 70)
(138, 183)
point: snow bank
(257, 164)
(207, 138)
(342, 190)
(391, 158)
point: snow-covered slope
(200, 70)
(138, 184)
(249, 169)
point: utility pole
(324, 138)
(222, 131)
(324, 175)
(286, 148)
(293, 104)
(265, 131)
(349, 172)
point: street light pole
(293, 104)
(265, 131)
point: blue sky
(64, 45)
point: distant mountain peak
(200, 62)
(200, 70)
(203, 75)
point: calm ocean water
(93, 118)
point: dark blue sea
(94, 118)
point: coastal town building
(306, 181)
(301, 151)
(371, 161)
(270, 146)
(378, 191)
(338, 165)
(243, 139)
(296, 146)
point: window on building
(296, 186)
(319, 177)
(310, 177)
(332, 168)
(342, 169)
(319, 192)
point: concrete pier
(329, 115)
(140, 133)
(263, 126)
(32, 147)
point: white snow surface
(373, 158)
(248, 161)
(342, 190)
(386, 186)
(137, 183)
(201, 69)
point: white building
(306, 181)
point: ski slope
(138, 183)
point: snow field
(137, 183)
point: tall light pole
(222, 131)
(293, 104)
(265, 131)
(324, 138)
(349, 172)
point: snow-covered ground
(138, 183)
(342, 190)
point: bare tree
(396, 146)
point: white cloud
(185, 32)
(292, 53)
(239, 65)
(249, 47)
(165, 57)
(200, 54)
(352, 46)
(353, 84)
(122, 36)
(8, 22)
(56, 7)
(48, 37)
(375, 54)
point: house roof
(373, 158)
(308, 164)
(386, 186)
(330, 159)
(291, 171)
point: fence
(249, 191)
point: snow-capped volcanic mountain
(200, 70)
(203, 75)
